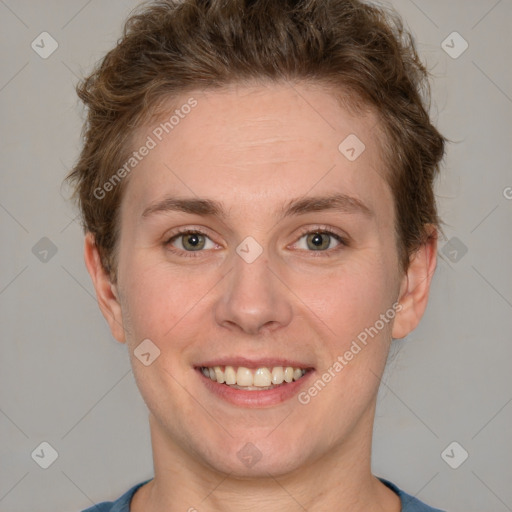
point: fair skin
(253, 149)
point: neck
(340, 480)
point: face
(289, 260)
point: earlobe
(106, 292)
(415, 287)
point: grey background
(65, 381)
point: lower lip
(263, 398)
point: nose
(253, 298)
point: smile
(256, 379)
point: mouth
(258, 379)
(261, 384)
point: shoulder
(122, 504)
(409, 503)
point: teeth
(241, 377)
(229, 375)
(277, 375)
(219, 374)
(244, 377)
(263, 378)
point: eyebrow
(297, 206)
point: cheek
(348, 299)
(160, 300)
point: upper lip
(254, 363)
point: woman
(256, 186)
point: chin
(261, 458)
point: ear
(106, 291)
(415, 287)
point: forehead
(259, 144)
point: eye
(320, 240)
(190, 241)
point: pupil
(318, 241)
(193, 241)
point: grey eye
(318, 241)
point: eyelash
(323, 230)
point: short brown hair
(170, 47)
